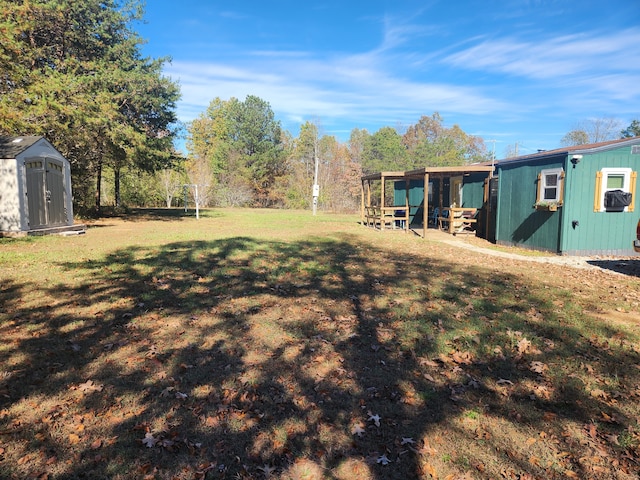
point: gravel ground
(616, 265)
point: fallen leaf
(166, 443)
(608, 418)
(523, 345)
(427, 449)
(374, 418)
(502, 381)
(428, 468)
(383, 460)
(165, 392)
(613, 439)
(357, 430)
(428, 363)
(407, 440)
(89, 386)
(149, 440)
(73, 439)
(537, 367)
(267, 470)
(462, 358)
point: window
(550, 186)
(614, 183)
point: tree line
(73, 71)
(248, 159)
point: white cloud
(564, 56)
(358, 87)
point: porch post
(382, 202)
(361, 201)
(406, 204)
(425, 205)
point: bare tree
(511, 150)
(171, 181)
(575, 137)
(593, 130)
(200, 173)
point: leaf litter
(338, 365)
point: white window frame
(558, 186)
(626, 184)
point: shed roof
(11, 147)
(576, 149)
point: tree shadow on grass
(162, 214)
(324, 358)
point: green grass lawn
(274, 344)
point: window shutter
(538, 192)
(561, 187)
(632, 190)
(598, 192)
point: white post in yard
(196, 197)
(316, 187)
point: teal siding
(575, 229)
(473, 191)
(415, 198)
(472, 194)
(519, 223)
(597, 232)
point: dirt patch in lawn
(274, 345)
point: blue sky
(510, 71)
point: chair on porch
(443, 220)
(434, 216)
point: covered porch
(446, 198)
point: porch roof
(431, 171)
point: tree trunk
(116, 175)
(98, 186)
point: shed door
(36, 193)
(55, 193)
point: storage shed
(35, 187)
(573, 201)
